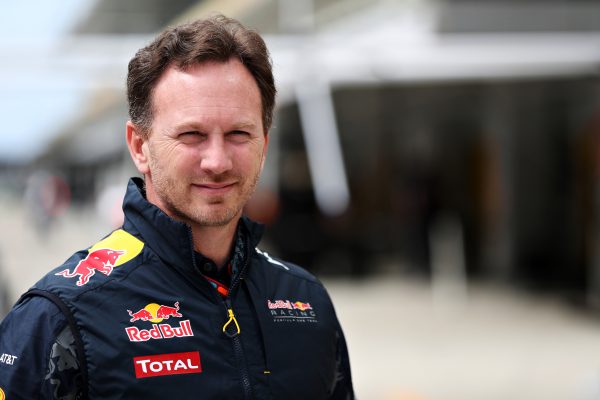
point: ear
(138, 147)
(265, 148)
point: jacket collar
(171, 240)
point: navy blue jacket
(133, 317)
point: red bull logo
(302, 306)
(114, 250)
(101, 260)
(277, 304)
(288, 305)
(156, 313)
(288, 311)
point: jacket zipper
(232, 330)
(234, 335)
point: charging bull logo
(301, 306)
(156, 313)
(102, 260)
(116, 249)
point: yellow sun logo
(152, 308)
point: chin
(211, 217)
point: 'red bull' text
(159, 331)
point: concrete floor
(405, 344)
(406, 341)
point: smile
(214, 188)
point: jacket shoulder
(286, 267)
(27, 334)
(108, 259)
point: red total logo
(167, 364)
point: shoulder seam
(71, 322)
(285, 269)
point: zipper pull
(231, 319)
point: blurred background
(436, 163)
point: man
(179, 303)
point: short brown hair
(213, 39)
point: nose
(215, 157)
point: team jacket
(133, 317)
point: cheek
(252, 158)
(249, 163)
(181, 160)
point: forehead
(207, 86)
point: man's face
(207, 144)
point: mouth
(214, 188)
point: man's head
(200, 114)
(214, 39)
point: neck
(215, 242)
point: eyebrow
(244, 125)
(235, 127)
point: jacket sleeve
(38, 359)
(342, 388)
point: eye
(189, 133)
(238, 136)
(190, 137)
